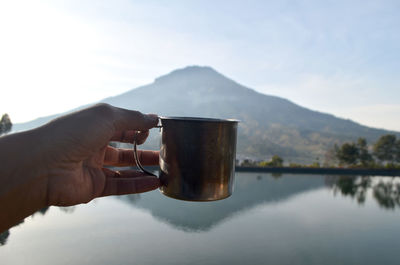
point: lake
(280, 219)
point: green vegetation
(248, 163)
(5, 124)
(352, 154)
(387, 149)
(347, 153)
(365, 158)
(275, 161)
(385, 153)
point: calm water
(289, 219)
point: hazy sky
(340, 57)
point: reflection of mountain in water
(250, 190)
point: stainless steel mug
(197, 158)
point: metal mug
(197, 158)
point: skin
(62, 163)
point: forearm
(22, 182)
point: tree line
(5, 124)
(275, 161)
(385, 152)
(5, 127)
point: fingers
(124, 157)
(129, 136)
(123, 173)
(133, 120)
(123, 136)
(128, 182)
(116, 186)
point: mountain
(269, 124)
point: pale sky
(340, 57)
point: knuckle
(104, 109)
(137, 114)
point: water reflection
(352, 186)
(250, 191)
(387, 194)
(253, 190)
(385, 190)
(4, 235)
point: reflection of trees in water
(43, 211)
(355, 187)
(132, 198)
(4, 235)
(386, 191)
(387, 194)
(276, 175)
(67, 209)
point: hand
(78, 150)
(62, 163)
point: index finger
(129, 136)
(133, 120)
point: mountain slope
(269, 125)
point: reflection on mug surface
(197, 158)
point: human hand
(75, 151)
(62, 163)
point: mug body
(197, 158)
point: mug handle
(136, 157)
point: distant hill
(269, 124)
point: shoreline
(323, 171)
(310, 170)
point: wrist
(23, 183)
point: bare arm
(62, 163)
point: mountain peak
(190, 72)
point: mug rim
(197, 119)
